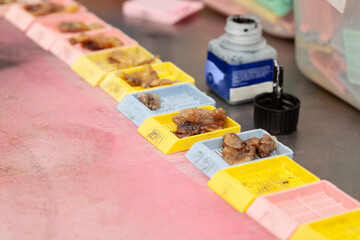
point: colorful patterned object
(280, 7)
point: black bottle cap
(276, 112)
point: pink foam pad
(282, 213)
(318, 16)
(162, 11)
(46, 33)
(69, 53)
(22, 19)
(73, 167)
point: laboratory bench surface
(72, 166)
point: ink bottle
(240, 63)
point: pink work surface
(73, 167)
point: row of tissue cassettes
(256, 187)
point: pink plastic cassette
(67, 52)
(23, 19)
(162, 11)
(5, 7)
(46, 33)
(283, 212)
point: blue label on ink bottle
(227, 80)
